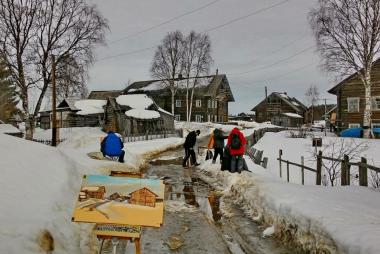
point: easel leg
(115, 242)
(101, 246)
(137, 246)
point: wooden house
(144, 197)
(136, 114)
(75, 113)
(103, 95)
(351, 100)
(317, 113)
(281, 110)
(210, 102)
(92, 192)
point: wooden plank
(302, 170)
(363, 177)
(319, 168)
(280, 161)
(287, 171)
(298, 165)
(344, 171)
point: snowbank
(317, 218)
(8, 129)
(38, 190)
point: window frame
(177, 117)
(351, 99)
(375, 105)
(198, 118)
(354, 125)
(198, 103)
(178, 103)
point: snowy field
(335, 219)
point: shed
(144, 197)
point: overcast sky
(274, 48)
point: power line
(165, 22)
(246, 16)
(211, 29)
(275, 63)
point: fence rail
(345, 168)
(148, 136)
(48, 142)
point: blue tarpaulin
(357, 132)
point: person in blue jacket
(112, 146)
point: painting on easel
(120, 200)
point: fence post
(303, 170)
(319, 168)
(363, 178)
(279, 159)
(287, 171)
(344, 171)
(147, 135)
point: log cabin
(144, 197)
(351, 100)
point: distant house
(144, 197)
(351, 100)
(242, 117)
(75, 113)
(317, 112)
(92, 192)
(103, 95)
(210, 103)
(281, 110)
(136, 114)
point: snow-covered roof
(142, 113)
(135, 101)
(8, 128)
(89, 107)
(292, 115)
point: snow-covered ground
(318, 218)
(294, 148)
(39, 186)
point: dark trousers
(216, 152)
(121, 157)
(189, 152)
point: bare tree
(8, 97)
(348, 37)
(39, 29)
(167, 62)
(196, 60)
(312, 97)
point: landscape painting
(120, 200)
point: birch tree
(196, 60)
(312, 97)
(348, 35)
(167, 62)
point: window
(376, 125)
(215, 118)
(177, 117)
(209, 103)
(376, 103)
(208, 118)
(178, 103)
(353, 104)
(198, 103)
(353, 125)
(198, 118)
(215, 104)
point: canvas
(120, 200)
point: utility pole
(325, 116)
(266, 104)
(54, 109)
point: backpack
(235, 141)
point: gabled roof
(103, 95)
(68, 103)
(145, 189)
(291, 101)
(208, 86)
(336, 88)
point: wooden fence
(156, 135)
(345, 168)
(48, 141)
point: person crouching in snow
(236, 143)
(112, 146)
(190, 141)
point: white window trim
(354, 125)
(209, 103)
(177, 117)
(375, 104)
(178, 103)
(375, 125)
(198, 103)
(198, 118)
(351, 99)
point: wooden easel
(115, 242)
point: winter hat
(197, 132)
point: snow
(89, 107)
(295, 104)
(164, 111)
(142, 114)
(8, 129)
(337, 219)
(135, 101)
(284, 95)
(268, 231)
(39, 186)
(292, 115)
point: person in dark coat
(112, 146)
(190, 141)
(236, 143)
(218, 144)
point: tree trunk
(187, 100)
(367, 112)
(191, 101)
(172, 91)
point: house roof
(143, 189)
(103, 95)
(212, 85)
(291, 101)
(336, 88)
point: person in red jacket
(236, 143)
